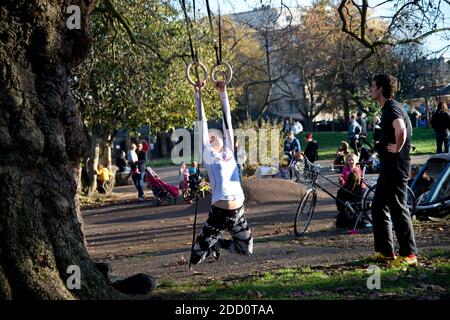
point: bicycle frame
(313, 171)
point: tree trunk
(106, 152)
(42, 142)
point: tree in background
(134, 75)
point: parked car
(431, 187)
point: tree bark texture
(41, 145)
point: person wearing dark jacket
(311, 148)
(122, 162)
(440, 121)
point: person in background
(414, 116)
(297, 127)
(135, 172)
(341, 153)
(286, 126)
(312, 147)
(194, 175)
(440, 121)
(291, 145)
(376, 132)
(145, 148)
(122, 162)
(102, 178)
(291, 148)
(239, 156)
(142, 159)
(352, 191)
(351, 165)
(354, 130)
(183, 177)
(363, 124)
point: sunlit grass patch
(430, 279)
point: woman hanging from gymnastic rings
(227, 204)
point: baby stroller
(161, 191)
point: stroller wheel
(156, 202)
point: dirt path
(135, 237)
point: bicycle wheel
(367, 203)
(368, 199)
(305, 212)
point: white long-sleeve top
(221, 166)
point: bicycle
(362, 209)
(295, 169)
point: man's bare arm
(400, 136)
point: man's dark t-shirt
(391, 111)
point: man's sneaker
(215, 251)
(409, 260)
(216, 254)
(382, 257)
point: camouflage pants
(210, 239)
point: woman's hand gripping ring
(229, 74)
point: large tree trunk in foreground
(41, 144)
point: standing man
(363, 124)
(354, 130)
(390, 203)
(440, 121)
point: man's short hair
(389, 84)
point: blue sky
(432, 43)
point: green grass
(431, 279)
(329, 142)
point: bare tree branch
(126, 25)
